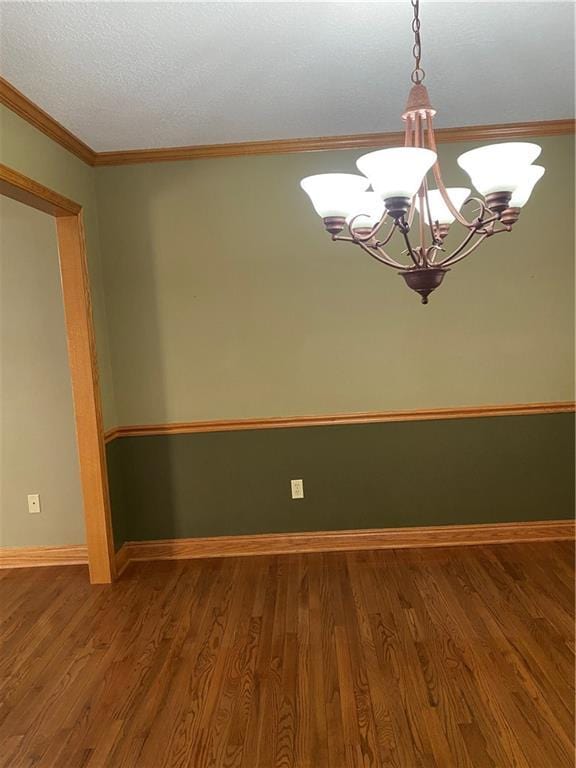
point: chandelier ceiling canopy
(369, 210)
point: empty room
(287, 384)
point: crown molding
(497, 132)
(12, 98)
(16, 101)
(431, 414)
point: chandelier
(369, 210)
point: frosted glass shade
(522, 193)
(333, 194)
(396, 172)
(498, 167)
(439, 211)
(368, 208)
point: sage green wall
(498, 469)
(37, 436)
(228, 300)
(29, 151)
(218, 296)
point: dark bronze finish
(418, 101)
(334, 224)
(418, 73)
(441, 230)
(498, 201)
(362, 231)
(510, 216)
(364, 235)
(424, 280)
(397, 207)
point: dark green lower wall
(494, 469)
(115, 465)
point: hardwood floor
(445, 658)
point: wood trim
(27, 557)
(16, 101)
(336, 541)
(12, 98)
(83, 363)
(468, 412)
(122, 559)
(86, 393)
(496, 132)
(19, 187)
(293, 543)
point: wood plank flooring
(444, 658)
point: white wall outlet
(34, 503)
(297, 489)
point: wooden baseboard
(294, 543)
(335, 541)
(28, 557)
(122, 559)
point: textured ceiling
(146, 74)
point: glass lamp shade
(396, 172)
(521, 194)
(498, 167)
(333, 194)
(367, 212)
(439, 211)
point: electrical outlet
(33, 503)
(297, 489)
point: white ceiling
(127, 75)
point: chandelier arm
(434, 248)
(381, 256)
(388, 236)
(505, 228)
(446, 197)
(486, 226)
(433, 240)
(408, 131)
(412, 211)
(460, 248)
(374, 231)
(455, 259)
(438, 177)
(413, 255)
(419, 142)
(480, 219)
(421, 223)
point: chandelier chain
(418, 73)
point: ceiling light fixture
(503, 174)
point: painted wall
(228, 300)
(37, 434)
(218, 296)
(29, 151)
(506, 468)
